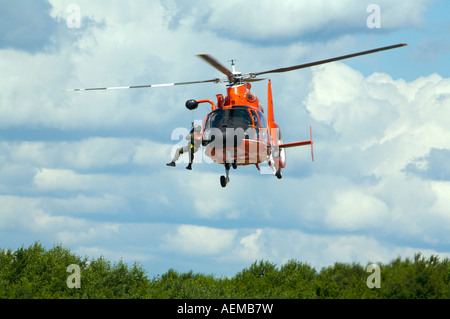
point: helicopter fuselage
(236, 131)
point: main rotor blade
(250, 79)
(140, 86)
(307, 65)
(209, 59)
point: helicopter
(239, 130)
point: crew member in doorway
(195, 140)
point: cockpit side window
(255, 118)
(262, 119)
(259, 119)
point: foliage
(35, 272)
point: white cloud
(382, 126)
(199, 240)
(62, 179)
(381, 116)
(26, 215)
(150, 153)
(251, 247)
(258, 20)
(87, 154)
(352, 209)
(442, 204)
(82, 204)
(89, 233)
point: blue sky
(87, 169)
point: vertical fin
(270, 114)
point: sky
(87, 169)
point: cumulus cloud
(383, 126)
(381, 116)
(265, 20)
(251, 246)
(352, 209)
(199, 240)
(87, 154)
(27, 217)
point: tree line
(37, 272)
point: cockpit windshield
(234, 117)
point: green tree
(257, 281)
(419, 278)
(264, 280)
(342, 281)
(35, 272)
(298, 280)
(173, 285)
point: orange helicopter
(238, 130)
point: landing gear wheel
(224, 181)
(234, 164)
(278, 173)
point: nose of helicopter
(232, 137)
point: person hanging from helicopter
(195, 140)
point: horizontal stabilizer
(287, 145)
